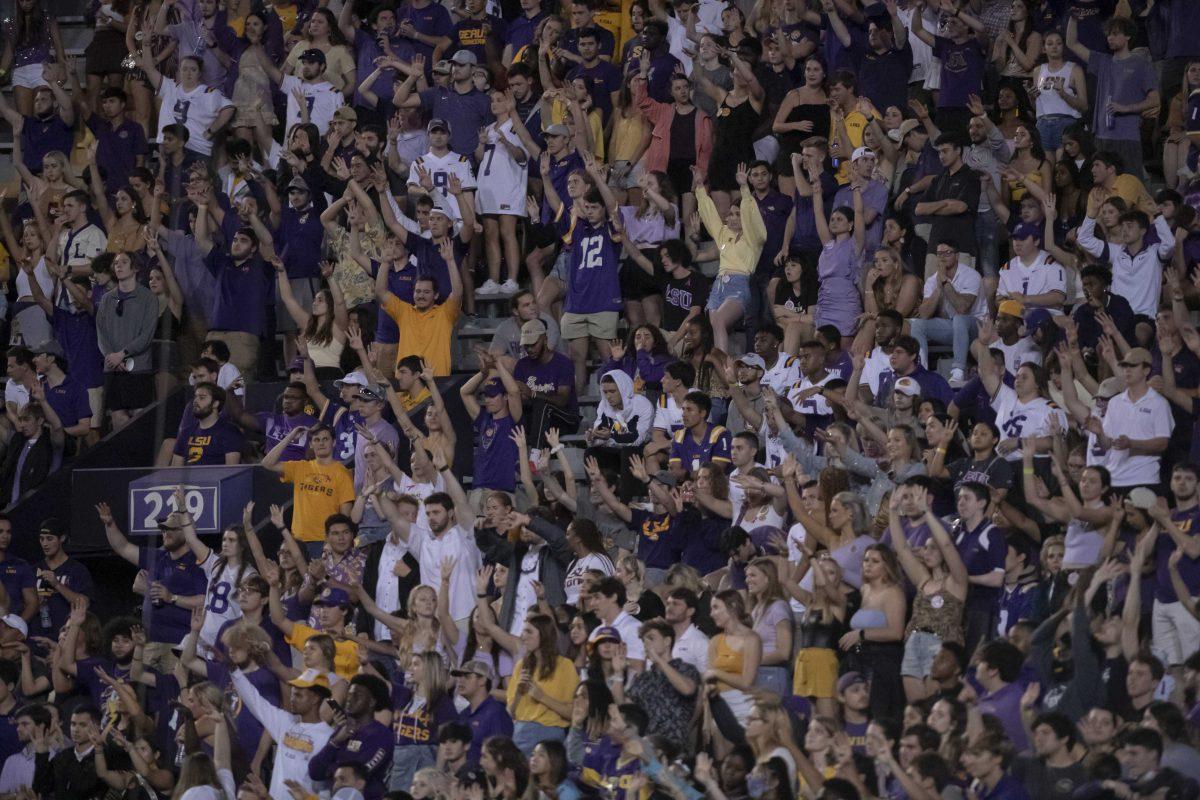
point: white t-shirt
(877, 362)
(502, 178)
(440, 168)
(1019, 352)
(296, 742)
(1146, 418)
(1043, 275)
(628, 626)
(195, 110)
(456, 543)
(966, 281)
(526, 596)
(321, 97)
(814, 403)
(575, 572)
(387, 584)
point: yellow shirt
(856, 123)
(739, 252)
(558, 116)
(627, 135)
(345, 658)
(411, 401)
(424, 333)
(320, 491)
(560, 686)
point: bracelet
(557, 449)
(443, 469)
(941, 451)
(481, 596)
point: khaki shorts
(600, 325)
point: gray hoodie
(131, 329)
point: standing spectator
(1136, 426)
(323, 486)
(200, 108)
(495, 421)
(71, 773)
(62, 581)
(126, 321)
(963, 61)
(952, 201)
(66, 395)
(462, 105)
(425, 325)
(1126, 87)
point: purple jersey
(276, 428)
(249, 729)
(712, 447)
(593, 285)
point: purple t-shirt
(182, 576)
(1188, 521)
(962, 70)
(496, 454)
(16, 575)
(249, 729)
(545, 378)
(1125, 81)
(1005, 703)
(775, 208)
(54, 607)
(601, 79)
(208, 446)
(432, 20)
(464, 112)
(276, 428)
(654, 546)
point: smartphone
(335, 705)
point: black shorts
(635, 283)
(126, 391)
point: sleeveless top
(328, 354)
(1082, 546)
(817, 114)
(939, 613)
(1048, 100)
(727, 660)
(813, 632)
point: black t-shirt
(1048, 783)
(683, 137)
(956, 229)
(680, 295)
(995, 472)
(788, 297)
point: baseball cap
(332, 597)
(377, 393)
(862, 152)
(298, 182)
(441, 208)
(1027, 230)
(16, 623)
(297, 364)
(464, 57)
(666, 478)
(1142, 498)
(557, 129)
(907, 386)
(347, 793)
(437, 124)
(346, 114)
(493, 388)
(532, 331)
(752, 360)
(356, 378)
(604, 633)
(310, 678)
(50, 347)
(313, 54)
(475, 667)
(1110, 387)
(1138, 356)
(1012, 308)
(442, 67)
(849, 679)
(908, 126)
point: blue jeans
(527, 735)
(406, 760)
(956, 332)
(988, 262)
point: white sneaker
(509, 287)
(489, 288)
(957, 379)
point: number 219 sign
(149, 504)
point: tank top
(939, 613)
(817, 114)
(1050, 101)
(727, 660)
(328, 354)
(1082, 546)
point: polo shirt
(117, 149)
(181, 576)
(424, 332)
(491, 718)
(243, 292)
(1149, 417)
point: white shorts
(28, 76)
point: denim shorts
(561, 265)
(728, 286)
(919, 652)
(1051, 129)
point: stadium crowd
(834, 405)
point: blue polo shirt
(117, 149)
(983, 551)
(69, 400)
(490, 719)
(301, 235)
(243, 291)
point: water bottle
(43, 605)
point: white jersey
(815, 404)
(876, 364)
(502, 178)
(322, 100)
(781, 376)
(220, 600)
(667, 414)
(1022, 351)
(297, 742)
(440, 168)
(1043, 275)
(195, 110)
(1017, 420)
(577, 570)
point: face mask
(756, 786)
